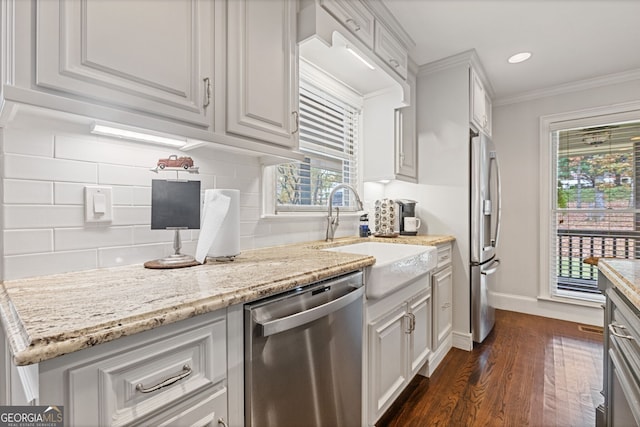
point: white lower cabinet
(442, 286)
(399, 344)
(173, 375)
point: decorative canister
(385, 218)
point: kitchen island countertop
(624, 275)
(48, 316)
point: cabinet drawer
(624, 331)
(390, 51)
(206, 409)
(353, 15)
(144, 381)
(444, 256)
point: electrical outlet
(98, 205)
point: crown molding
(469, 58)
(579, 85)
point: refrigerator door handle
(493, 267)
(494, 241)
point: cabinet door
(405, 138)
(387, 359)
(262, 78)
(129, 54)
(390, 50)
(420, 337)
(478, 101)
(354, 15)
(443, 312)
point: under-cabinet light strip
(136, 135)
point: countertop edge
(27, 350)
(627, 285)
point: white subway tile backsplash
(29, 142)
(123, 195)
(68, 193)
(41, 216)
(47, 164)
(125, 175)
(97, 149)
(40, 264)
(127, 255)
(18, 242)
(18, 191)
(142, 196)
(48, 169)
(66, 239)
(131, 215)
(143, 234)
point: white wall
(442, 188)
(46, 162)
(516, 135)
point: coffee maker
(407, 208)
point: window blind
(595, 212)
(329, 137)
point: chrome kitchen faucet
(332, 223)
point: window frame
(313, 76)
(547, 126)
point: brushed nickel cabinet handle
(394, 63)
(297, 122)
(222, 422)
(612, 329)
(207, 92)
(186, 371)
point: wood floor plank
(530, 371)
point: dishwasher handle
(283, 324)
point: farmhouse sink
(396, 264)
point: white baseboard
(462, 340)
(547, 308)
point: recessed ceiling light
(519, 57)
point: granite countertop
(624, 275)
(48, 316)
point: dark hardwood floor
(530, 371)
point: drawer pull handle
(222, 422)
(186, 371)
(612, 329)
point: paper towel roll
(220, 229)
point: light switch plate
(98, 206)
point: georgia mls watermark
(31, 416)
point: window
(596, 203)
(329, 129)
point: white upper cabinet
(262, 76)
(151, 58)
(406, 143)
(479, 103)
(389, 49)
(354, 15)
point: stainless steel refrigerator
(485, 231)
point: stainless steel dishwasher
(303, 356)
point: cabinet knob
(353, 24)
(394, 63)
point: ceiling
(571, 40)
